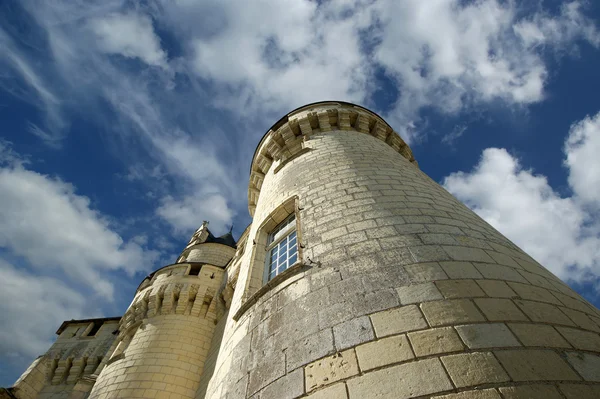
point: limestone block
(538, 335)
(586, 364)
(336, 391)
(585, 340)
(535, 365)
(531, 392)
(417, 293)
(476, 394)
(526, 291)
(435, 341)
(403, 381)
(455, 311)
(398, 320)
(427, 253)
(496, 309)
(287, 387)
(330, 369)
(543, 312)
(581, 319)
(577, 391)
(385, 351)
(470, 369)
(477, 336)
(498, 272)
(353, 332)
(310, 348)
(467, 254)
(459, 289)
(496, 289)
(423, 272)
(458, 270)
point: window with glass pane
(282, 250)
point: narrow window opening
(195, 270)
(95, 328)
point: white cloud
(471, 53)
(36, 91)
(559, 232)
(130, 35)
(32, 306)
(558, 31)
(185, 215)
(582, 149)
(474, 52)
(46, 223)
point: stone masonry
(400, 291)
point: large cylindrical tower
(361, 277)
(164, 337)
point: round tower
(164, 336)
(363, 278)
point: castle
(359, 277)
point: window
(195, 270)
(282, 248)
(95, 328)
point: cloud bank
(561, 232)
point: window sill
(292, 270)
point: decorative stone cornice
(284, 140)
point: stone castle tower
(359, 277)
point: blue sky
(127, 123)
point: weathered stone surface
(477, 336)
(475, 394)
(467, 254)
(535, 365)
(423, 272)
(496, 289)
(382, 352)
(336, 391)
(269, 367)
(459, 289)
(531, 392)
(496, 309)
(470, 369)
(353, 332)
(310, 348)
(454, 311)
(287, 387)
(544, 312)
(435, 341)
(457, 270)
(585, 340)
(579, 391)
(398, 320)
(330, 369)
(538, 335)
(417, 293)
(586, 364)
(358, 305)
(403, 381)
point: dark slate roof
(225, 239)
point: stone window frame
(285, 229)
(256, 286)
(122, 343)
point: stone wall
(165, 334)
(403, 292)
(75, 354)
